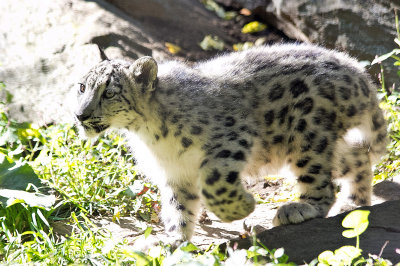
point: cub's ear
(144, 70)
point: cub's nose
(82, 117)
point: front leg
(180, 206)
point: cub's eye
(82, 88)
(109, 93)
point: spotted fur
(198, 130)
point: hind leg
(354, 168)
(313, 168)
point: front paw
(296, 212)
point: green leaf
(188, 247)
(347, 254)
(385, 56)
(327, 257)
(15, 179)
(16, 176)
(279, 252)
(147, 232)
(212, 43)
(358, 221)
(253, 26)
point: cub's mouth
(91, 128)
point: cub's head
(111, 94)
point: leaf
(326, 257)
(385, 56)
(14, 180)
(147, 232)
(9, 197)
(188, 247)
(136, 188)
(173, 48)
(17, 176)
(347, 254)
(211, 43)
(358, 221)
(253, 26)
(279, 253)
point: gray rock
(304, 242)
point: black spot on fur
(213, 177)
(305, 106)
(157, 137)
(347, 79)
(351, 111)
(172, 228)
(244, 143)
(229, 121)
(232, 135)
(204, 162)
(345, 93)
(330, 65)
(220, 191)
(321, 146)
(327, 91)
(233, 194)
(223, 154)
(206, 194)
(345, 170)
(305, 147)
(364, 88)
(298, 87)
(175, 118)
(182, 224)
(276, 92)
(325, 118)
(377, 121)
(306, 179)
(217, 136)
(301, 125)
(269, 117)
(282, 114)
(196, 130)
(232, 177)
(277, 139)
(203, 121)
(361, 176)
(314, 169)
(164, 130)
(303, 162)
(239, 156)
(180, 207)
(186, 142)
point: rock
(304, 242)
(170, 21)
(362, 28)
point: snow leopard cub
(197, 130)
